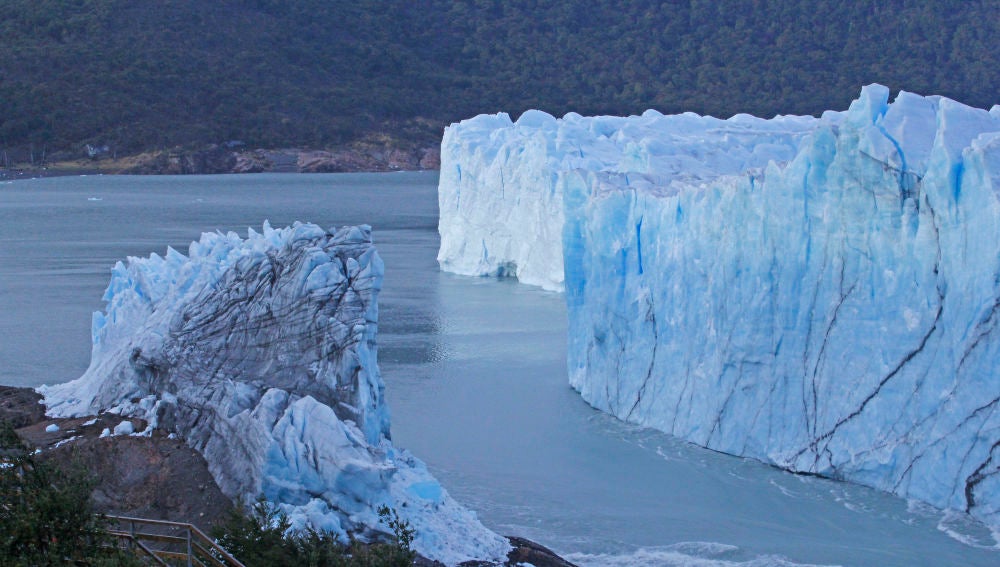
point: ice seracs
(822, 294)
(260, 352)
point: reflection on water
(476, 381)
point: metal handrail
(200, 550)
(133, 542)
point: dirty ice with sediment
(260, 352)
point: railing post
(193, 538)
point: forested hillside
(145, 74)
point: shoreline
(222, 160)
(23, 174)
(27, 175)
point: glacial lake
(475, 379)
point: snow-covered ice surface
(822, 294)
(261, 353)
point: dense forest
(144, 74)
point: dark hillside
(146, 74)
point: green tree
(46, 516)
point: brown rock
(337, 162)
(280, 161)
(21, 406)
(402, 160)
(317, 162)
(147, 477)
(251, 162)
(430, 158)
(212, 159)
(527, 551)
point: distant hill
(137, 75)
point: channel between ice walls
(261, 354)
(833, 310)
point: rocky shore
(219, 159)
(156, 477)
(230, 158)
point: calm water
(475, 379)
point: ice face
(500, 193)
(261, 353)
(820, 294)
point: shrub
(46, 516)
(261, 537)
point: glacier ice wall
(261, 353)
(833, 310)
(500, 194)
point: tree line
(146, 75)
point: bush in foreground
(46, 516)
(262, 537)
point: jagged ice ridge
(261, 354)
(822, 294)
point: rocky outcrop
(251, 162)
(223, 159)
(527, 552)
(213, 159)
(368, 160)
(20, 406)
(430, 158)
(335, 162)
(156, 477)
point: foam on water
(685, 554)
(965, 529)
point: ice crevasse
(822, 294)
(260, 352)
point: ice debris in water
(822, 293)
(260, 353)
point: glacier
(260, 352)
(818, 293)
(501, 186)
